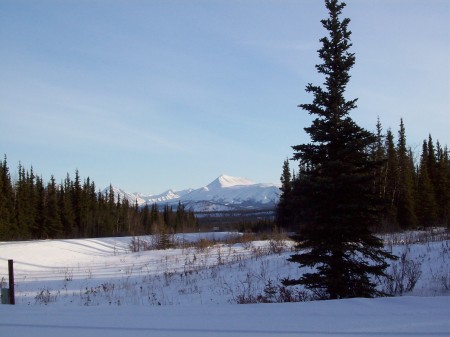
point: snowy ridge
(222, 194)
(225, 181)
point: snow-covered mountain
(143, 199)
(222, 194)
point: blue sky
(150, 95)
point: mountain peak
(223, 194)
(226, 181)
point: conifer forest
(412, 185)
(31, 208)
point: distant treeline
(243, 220)
(414, 191)
(32, 209)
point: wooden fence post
(12, 298)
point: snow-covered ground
(98, 287)
(405, 316)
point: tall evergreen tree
(379, 155)
(146, 220)
(336, 195)
(405, 199)
(426, 204)
(77, 204)
(284, 214)
(38, 230)
(431, 161)
(168, 217)
(67, 214)
(154, 217)
(180, 218)
(32, 201)
(390, 183)
(20, 228)
(442, 189)
(6, 201)
(53, 225)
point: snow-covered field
(98, 287)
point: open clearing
(98, 287)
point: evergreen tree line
(413, 190)
(33, 209)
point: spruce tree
(431, 161)
(154, 217)
(405, 200)
(390, 184)
(146, 221)
(426, 204)
(284, 214)
(337, 202)
(443, 186)
(379, 154)
(52, 219)
(38, 231)
(67, 214)
(180, 218)
(20, 228)
(6, 201)
(77, 204)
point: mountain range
(226, 193)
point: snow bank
(405, 316)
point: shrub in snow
(403, 275)
(44, 296)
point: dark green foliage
(442, 186)
(182, 218)
(155, 217)
(24, 206)
(285, 216)
(38, 228)
(66, 207)
(426, 203)
(406, 216)
(52, 220)
(412, 196)
(146, 219)
(389, 184)
(430, 160)
(164, 239)
(30, 209)
(334, 192)
(6, 201)
(379, 155)
(76, 205)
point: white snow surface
(225, 181)
(406, 316)
(98, 287)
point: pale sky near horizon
(151, 95)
